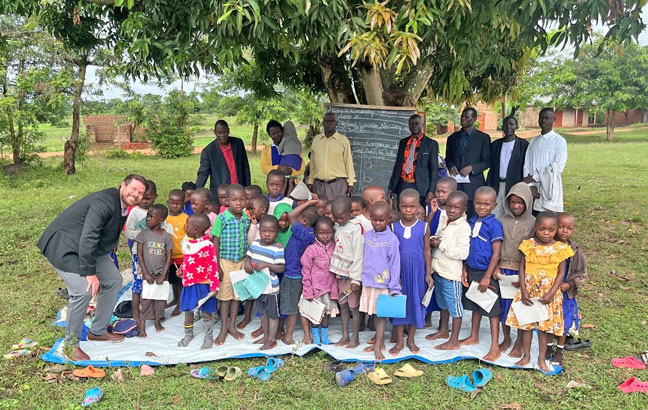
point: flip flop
(344, 377)
(629, 362)
(89, 371)
(259, 372)
(205, 372)
(92, 396)
(461, 382)
(379, 376)
(364, 367)
(482, 376)
(273, 364)
(232, 374)
(554, 369)
(628, 385)
(16, 353)
(408, 371)
(221, 371)
(24, 344)
(577, 345)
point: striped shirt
(273, 254)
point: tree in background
(437, 114)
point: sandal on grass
(26, 343)
(364, 367)
(273, 364)
(379, 376)
(554, 369)
(259, 372)
(16, 353)
(462, 383)
(408, 371)
(89, 372)
(232, 374)
(481, 377)
(92, 396)
(221, 371)
(205, 372)
(345, 377)
(334, 367)
(629, 362)
(577, 344)
(633, 384)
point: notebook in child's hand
(257, 282)
(485, 300)
(312, 310)
(507, 290)
(155, 291)
(427, 298)
(238, 277)
(524, 314)
(391, 306)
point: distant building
(113, 131)
(629, 117)
(565, 118)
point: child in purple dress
(416, 258)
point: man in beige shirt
(331, 165)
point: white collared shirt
(544, 151)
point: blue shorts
(448, 295)
(136, 287)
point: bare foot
(503, 347)
(142, 334)
(516, 353)
(412, 346)
(379, 355)
(176, 311)
(344, 341)
(492, 355)
(369, 349)
(372, 340)
(288, 340)
(392, 338)
(449, 345)
(355, 342)
(469, 341)
(308, 340)
(394, 351)
(542, 365)
(257, 332)
(260, 341)
(221, 338)
(523, 361)
(280, 335)
(237, 335)
(159, 328)
(437, 335)
(243, 323)
(268, 345)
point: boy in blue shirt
(485, 247)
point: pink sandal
(629, 362)
(628, 385)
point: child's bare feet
(542, 365)
(280, 334)
(355, 342)
(372, 340)
(176, 311)
(394, 351)
(308, 339)
(412, 346)
(257, 332)
(288, 340)
(449, 345)
(379, 355)
(236, 334)
(523, 361)
(516, 353)
(503, 347)
(246, 321)
(142, 333)
(469, 341)
(369, 348)
(344, 341)
(220, 339)
(492, 355)
(159, 328)
(268, 345)
(260, 341)
(438, 335)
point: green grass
(604, 188)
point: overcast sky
(114, 92)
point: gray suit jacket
(85, 230)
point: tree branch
(102, 2)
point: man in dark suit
(506, 162)
(77, 244)
(468, 155)
(416, 163)
(223, 161)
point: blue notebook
(391, 306)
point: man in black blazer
(417, 168)
(223, 161)
(506, 162)
(77, 244)
(468, 154)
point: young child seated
(135, 222)
(267, 253)
(356, 206)
(188, 188)
(485, 246)
(154, 247)
(275, 183)
(200, 198)
(451, 246)
(414, 248)
(346, 263)
(176, 222)
(222, 198)
(321, 204)
(575, 275)
(199, 272)
(380, 271)
(542, 270)
(370, 195)
(301, 219)
(318, 281)
(517, 225)
(230, 239)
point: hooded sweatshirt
(290, 144)
(577, 270)
(516, 230)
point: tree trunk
(371, 84)
(15, 147)
(336, 79)
(17, 136)
(595, 116)
(503, 108)
(609, 126)
(255, 134)
(71, 144)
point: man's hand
(434, 242)
(349, 190)
(429, 198)
(534, 192)
(466, 170)
(355, 288)
(93, 284)
(453, 170)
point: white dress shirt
(548, 150)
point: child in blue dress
(416, 259)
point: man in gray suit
(77, 244)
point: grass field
(605, 187)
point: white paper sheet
(155, 291)
(507, 290)
(485, 300)
(312, 310)
(461, 180)
(427, 298)
(530, 314)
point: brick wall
(111, 130)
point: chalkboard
(374, 133)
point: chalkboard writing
(374, 134)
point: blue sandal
(482, 376)
(206, 373)
(364, 367)
(273, 364)
(260, 373)
(344, 377)
(462, 383)
(92, 396)
(554, 370)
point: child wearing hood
(290, 147)
(517, 223)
